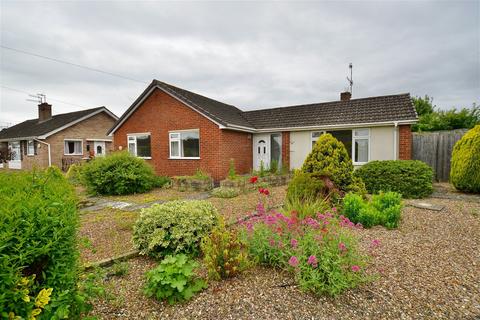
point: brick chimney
(44, 112)
(345, 96)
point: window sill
(184, 158)
(359, 163)
(30, 155)
(73, 154)
(145, 158)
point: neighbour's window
(361, 139)
(185, 144)
(73, 147)
(139, 145)
(30, 148)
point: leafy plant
(305, 186)
(465, 170)
(410, 178)
(161, 182)
(174, 227)
(384, 209)
(223, 192)
(118, 173)
(74, 173)
(306, 207)
(224, 254)
(174, 280)
(201, 175)
(231, 170)
(38, 251)
(273, 167)
(120, 268)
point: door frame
(103, 144)
(256, 161)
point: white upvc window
(361, 145)
(184, 144)
(73, 147)
(30, 148)
(139, 145)
(315, 136)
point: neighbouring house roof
(34, 129)
(382, 109)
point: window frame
(72, 140)
(180, 144)
(312, 139)
(32, 146)
(360, 137)
(135, 135)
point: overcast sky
(252, 55)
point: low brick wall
(243, 182)
(192, 184)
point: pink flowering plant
(321, 251)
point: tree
(423, 105)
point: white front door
(261, 151)
(99, 148)
(16, 155)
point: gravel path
(427, 269)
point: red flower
(253, 179)
(264, 191)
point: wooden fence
(435, 149)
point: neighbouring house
(179, 131)
(58, 140)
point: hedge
(465, 164)
(410, 178)
(38, 252)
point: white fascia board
(339, 126)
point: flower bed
(243, 183)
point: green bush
(223, 192)
(384, 209)
(329, 157)
(305, 186)
(224, 254)
(161, 182)
(74, 173)
(410, 178)
(38, 252)
(118, 173)
(306, 207)
(174, 279)
(174, 227)
(465, 170)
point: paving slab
(426, 205)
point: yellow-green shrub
(174, 227)
(465, 164)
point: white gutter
(395, 140)
(49, 153)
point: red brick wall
(286, 149)
(160, 113)
(405, 142)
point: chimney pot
(345, 96)
(44, 112)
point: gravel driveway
(429, 268)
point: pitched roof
(397, 107)
(32, 128)
(365, 110)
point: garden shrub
(308, 207)
(322, 251)
(174, 279)
(74, 174)
(305, 186)
(384, 209)
(174, 227)
(465, 170)
(410, 178)
(329, 157)
(232, 174)
(118, 173)
(224, 254)
(224, 192)
(38, 252)
(161, 182)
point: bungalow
(179, 131)
(58, 140)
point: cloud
(249, 54)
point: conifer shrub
(410, 178)
(465, 163)
(329, 157)
(118, 173)
(38, 252)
